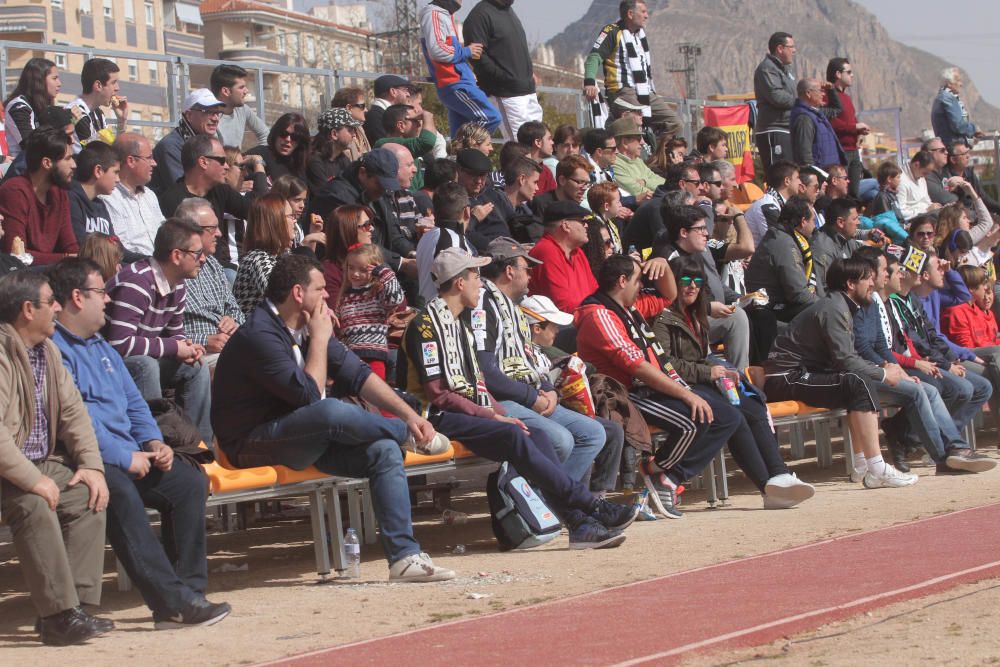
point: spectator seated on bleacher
(687, 234)
(99, 80)
(631, 173)
(924, 417)
(682, 332)
(413, 128)
(920, 351)
(680, 189)
(814, 362)
(444, 374)
(783, 182)
(606, 204)
(959, 167)
(487, 220)
(271, 401)
(564, 274)
(229, 85)
(451, 222)
(613, 335)
(511, 202)
(47, 448)
(287, 149)
(145, 322)
(513, 371)
(783, 262)
(889, 177)
(836, 239)
(911, 195)
(96, 174)
(211, 313)
(537, 138)
(140, 469)
(134, 208)
(200, 115)
(35, 207)
(408, 219)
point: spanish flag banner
(735, 122)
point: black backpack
(520, 518)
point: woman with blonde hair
(270, 230)
(105, 251)
(472, 135)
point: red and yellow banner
(735, 122)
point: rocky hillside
(733, 36)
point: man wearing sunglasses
(200, 115)
(145, 322)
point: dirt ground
(280, 609)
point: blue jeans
(609, 459)
(172, 575)
(925, 415)
(576, 438)
(192, 382)
(964, 396)
(343, 439)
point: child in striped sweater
(369, 295)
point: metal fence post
(996, 160)
(900, 159)
(260, 94)
(3, 72)
(173, 77)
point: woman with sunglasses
(354, 100)
(345, 227)
(287, 149)
(269, 235)
(682, 331)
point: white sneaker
(858, 477)
(438, 445)
(418, 568)
(786, 490)
(891, 479)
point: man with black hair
(712, 144)
(600, 149)
(229, 84)
(140, 469)
(836, 238)
(413, 127)
(774, 88)
(97, 168)
(99, 78)
(958, 171)
(537, 138)
(840, 73)
(783, 181)
(35, 206)
(279, 411)
(512, 202)
(451, 222)
(783, 262)
(911, 195)
(444, 374)
(814, 361)
(388, 89)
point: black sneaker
(71, 626)
(590, 534)
(614, 516)
(202, 612)
(897, 449)
(663, 497)
(965, 461)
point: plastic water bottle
(352, 555)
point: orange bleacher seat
(809, 410)
(224, 477)
(461, 451)
(290, 476)
(783, 409)
(415, 459)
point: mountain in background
(733, 37)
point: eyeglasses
(924, 234)
(695, 181)
(717, 184)
(45, 302)
(847, 71)
(197, 254)
(95, 290)
(209, 229)
(960, 154)
(221, 159)
(938, 150)
(688, 281)
(417, 119)
(579, 181)
(366, 225)
(701, 229)
(143, 157)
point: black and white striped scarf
(636, 67)
(458, 358)
(515, 351)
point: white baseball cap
(540, 309)
(201, 99)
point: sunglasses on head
(687, 281)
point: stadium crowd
(335, 296)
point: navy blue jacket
(869, 340)
(258, 381)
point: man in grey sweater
(814, 361)
(774, 88)
(229, 84)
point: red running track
(739, 603)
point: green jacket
(685, 352)
(420, 145)
(634, 176)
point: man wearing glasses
(200, 115)
(633, 175)
(840, 73)
(413, 127)
(145, 322)
(958, 172)
(133, 208)
(935, 178)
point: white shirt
(912, 195)
(134, 217)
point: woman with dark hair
(354, 100)
(599, 244)
(270, 230)
(346, 226)
(682, 331)
(25, 107)
(287, 149)
(307, 232)
(670, 150)
(565, 142)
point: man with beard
(35, 206)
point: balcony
(253, 55)
(23, 23)
(176, 43)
